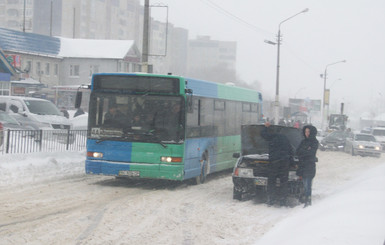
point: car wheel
(353, 153)
(237, 195)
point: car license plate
(129, 173)
(260, 181)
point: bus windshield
(136, 118)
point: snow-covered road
(48, 200)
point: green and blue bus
(164, 126)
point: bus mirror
(78, 99)
(188, 91)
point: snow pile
(20, 169)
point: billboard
(14, 60)
(304, 105)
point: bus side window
(190, 104)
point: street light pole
(323, 104)
(276, 104)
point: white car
(43, 112)
(379, 134)
(363, 145)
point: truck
(338, 121)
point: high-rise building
(211, 59)
(87, 19)
(168, 48)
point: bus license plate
(261, 181)
(129, 173)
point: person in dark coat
(280, 152)
(306, 153)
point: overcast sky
(332, 30)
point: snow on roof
(94, 48)
(27, 81)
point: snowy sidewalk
(353, 215)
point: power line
(234, 17)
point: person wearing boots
(280, 152)
(306, 153)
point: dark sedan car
(334, 141)
(250, 173)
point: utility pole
(24, 17)
(73, 24)
(50, 20)
(145, 36)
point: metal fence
(28, 141)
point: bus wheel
(202, 177)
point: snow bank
(20, 169)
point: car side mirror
(236, 155)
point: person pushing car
(280, 152)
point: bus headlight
(94, 154)
(171, 159)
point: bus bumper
(135, 170)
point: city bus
(150, 126)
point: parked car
(39, 110)
(334, 141)
(250, 172)
(8, 122)
(366, 130)
(363, 144)
(28, 122)
(379, 134)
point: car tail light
(244, 172)
(1, 127)
(236, 172)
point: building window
(246, 107)
(56, 70)
(38, 68)
(74, 70)
(47, 69)
(13, 12)
(94, 69)
(219, 105)
(28, 66)
(13, 1)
